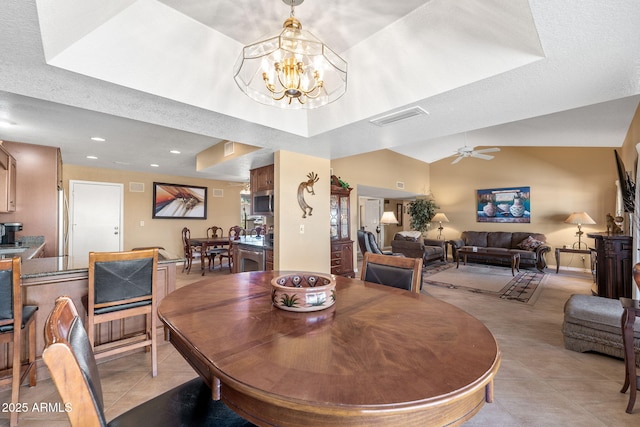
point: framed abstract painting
(174, 201)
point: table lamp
(579, 218)
(388, 217)
(440, 217)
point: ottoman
(594, 324)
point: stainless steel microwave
(262, 203)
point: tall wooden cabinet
(7, 181)
(340, 230)
(613, 265)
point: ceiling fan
(470, 152)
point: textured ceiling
(151, 76)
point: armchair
(416, 247)
(367, 243)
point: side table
(569, 251)
(631, 308)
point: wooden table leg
(203, 253)
(630, 380)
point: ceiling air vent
(399, 115)
(217, 192)
(228, 148)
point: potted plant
(421, 212)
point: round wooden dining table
(378, 356)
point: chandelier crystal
(291, 69)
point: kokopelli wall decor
(307, 185)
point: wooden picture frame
(176, 201)
(399, 213)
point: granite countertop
(51, 266)
(256, 242)
(24, 252)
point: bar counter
(44, 279)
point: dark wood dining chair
(17, 325)
(123, 285)
(235, 233)
(398, 272)
(191, 252)
(215, 251)
(74, 371)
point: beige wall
(381, 169)
(221, 211)
(311, 250)
(562, 180)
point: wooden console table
(631, 310)
(367, 360)
(569, 251)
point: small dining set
(213, 245)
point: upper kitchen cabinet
(261, 179)
(7, 181)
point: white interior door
(96, 219)
(371, 218)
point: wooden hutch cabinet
(340, 230)
(613, 265)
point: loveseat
(412, 245)
(530, 246)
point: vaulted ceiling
(152, 76)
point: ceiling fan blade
(482, 156)
(456, 160)
(488, 150)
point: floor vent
(399, 115)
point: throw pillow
(530, 244)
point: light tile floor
(539, 382)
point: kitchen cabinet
(268, 259)
(262, 179)
(340, 230)
(7, 181)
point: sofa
(530, 246)
(412, 245)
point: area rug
(496, 281)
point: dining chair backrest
(69, 357)
(256, 231)
(236, 232)
(17, 324)
(123, 285)
(215, 231)
(74, 371)
(398, 272)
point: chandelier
(291, 69)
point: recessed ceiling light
(174, 152)
(153, 165)
(92, 157)
(97, 139)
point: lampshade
(291, 69)
(579, 218)
(388, 217)
(440, 217)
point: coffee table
(378, 356)
(513, 256)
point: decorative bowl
(303, 292)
